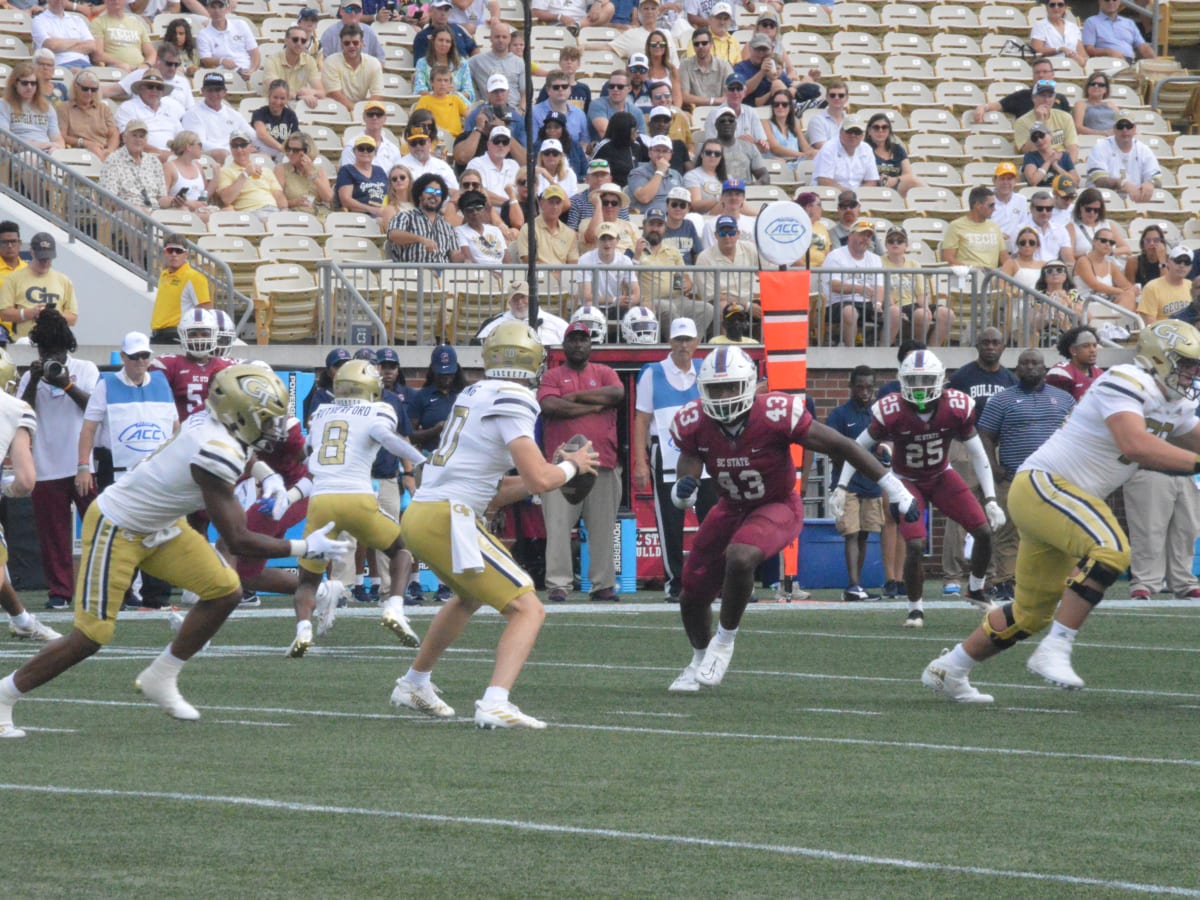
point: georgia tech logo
(258, 389)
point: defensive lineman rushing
(921, 421)
(489, 431)
(138, 523)
(744, 439)
(345, 436)
(1142, 414)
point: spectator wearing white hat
(609, 204)
(549, 327)
(552, 168)
(848, 162)
(149, 105)
(1171, 292)
(213, 118)
(665, 119)
(608, 278)
(495, 111)
(497, 170)
(650, 182)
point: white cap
(660, 111)
(639, 59)
(499, 131)
(679, 193)
(497, 82)
(719, 8)
(135, 342)
(683, 328)
(659, 140)
(549, 144)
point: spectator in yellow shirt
(447, 106)
(28, 291)
(180, 289)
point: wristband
(83, 467)
(298, 548)
(891, 483)
(569, 469)
(987, 500)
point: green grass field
(820, 768)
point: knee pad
(1095, 570)
(1012, 632)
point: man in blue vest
(662, 388)
(130, 414)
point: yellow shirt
(298, 76)
(978, 243)
(25, 290)
(656, 285)
(123, 37)
(726, 48)
(6, 269)
(178, 291)
(358, 84)
(255, 193)
(1161, 300)
(448, 111)
(554, 248)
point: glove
(320, 546)
(276, 500)
(904, 505)
(995, 515)
(837, 502)
(685, 491)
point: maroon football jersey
(922, 449)
(288, 458)
(189, 379)
(755, 466)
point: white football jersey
(161, 488)
(473, 454)
(1084, 451)
(14, 415)
(345, 435)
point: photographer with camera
(26, 292)
(491, 113)
(58, 387)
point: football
(579, 486)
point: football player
(344, 437)
(744, 439)
(18, 425)
(204, 343)
(1134, 415)
(920, 421)
(138, 523)
(490, 430)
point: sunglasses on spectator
(1027, 243)
(714, 153)
(658, 44)
(847, 206)
(1094, 209)
(298, 40)
(1040, 207)
(433, 191)
(701, 43)
(474, 207)
(781, 104)
(418, 142)
(470, 186)
(24, 83)
(294, 149)
(1108, 241)
(139, 357)
(88, 90)
(897, 240)
(522, 182)
(881, 126)
(678, 204)
(1097, 84)
(639, 70)
(550, 152)
(1129, 126)
(726, 232)
(375, 113)
(610, 202)
(559, 87)
(617, 87)
(840, 95)
(767, 23)
(174, 250)
(239, 145)
(396, 178)
(363, 148)
(501, 141)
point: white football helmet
(921, 378)
(226, 331)
(640, 326)
(198, 333)
(727, 382)
(593, 317)
(1170, 350)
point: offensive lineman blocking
(745, 440)
(1133, 415)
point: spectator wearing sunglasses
(1097, 272)
(422, 235)
(609, 204)
(350, 76)
(297, 67)
(1019, 102)
(1124, 164)
(1055, 35)
(1095, 113)
(180, 289)
(702, 74)
(421, 161)
(375, 126)
(351, 13)
(170, 66)
(1055, 241)
(362, 185)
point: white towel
(465, 555)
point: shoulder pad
(222, 457)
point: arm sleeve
(868, 442)
(979, 461)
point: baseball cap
(386, 355)
(864, 225)
(733, 184)
(1006, 168)
(496, 81)
(518, 288)
(554, 191)
(722, 9)
(578, 328)
(597, 166)
(652, 2)
(1124, 120)
(374, 104)
(444, 360)
(550, 144)
(1180, 253)
(1045, 86)
(662, 111)
(135, 342)
(241, 134)
(1038, 129)
(365, 139)
(218, 3)
(472, 200)
(659, 140)
(851, 123)
(655, 214)
(365, 353)
(735, 309)
(441, 4)
(608, 229)
(555, 116)
(42, 246)
(337, 356)
(680, 193)
(722, 112)
(313, 14)
(1064, 185)
(725, 222)
(639, 59)
(213, 80)
(136, 125)
(683, 328)
(502, 131)
(760, 42)
(733, 79)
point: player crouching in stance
(489, 431)
(744, 439)
(921, 421)
(138, 523)
(1140, 415)
(345, 437)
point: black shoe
(892, 590)
(916, 619)
(857, 594)
(59, 603)
(250, 600)
(977, 599)
(413, 595)
(361, 593)
(606, 595)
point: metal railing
(92, 216)
(1027, 317)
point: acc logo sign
(143, 437)
(783, 232)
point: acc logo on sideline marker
(783, 233)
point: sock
(419, 679)
(8, 690)
(976, 583)
(304, 625)
(24, 620)
(1059, 630)
(397, 598)
(724, 635)
(958, 659)
(358, 579)
(495, 695)
(916, 605)
(168, 662)
(697, 656)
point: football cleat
(422, 699)
(7, 728)
(34, 631)
(328, 593)
(394, 620)
(164, 690)
(304, 640)
(715, 662)
(504, 715)
(686, 683)
(978, 600)
(952, 684)
(915, 619)
(1051, 660)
